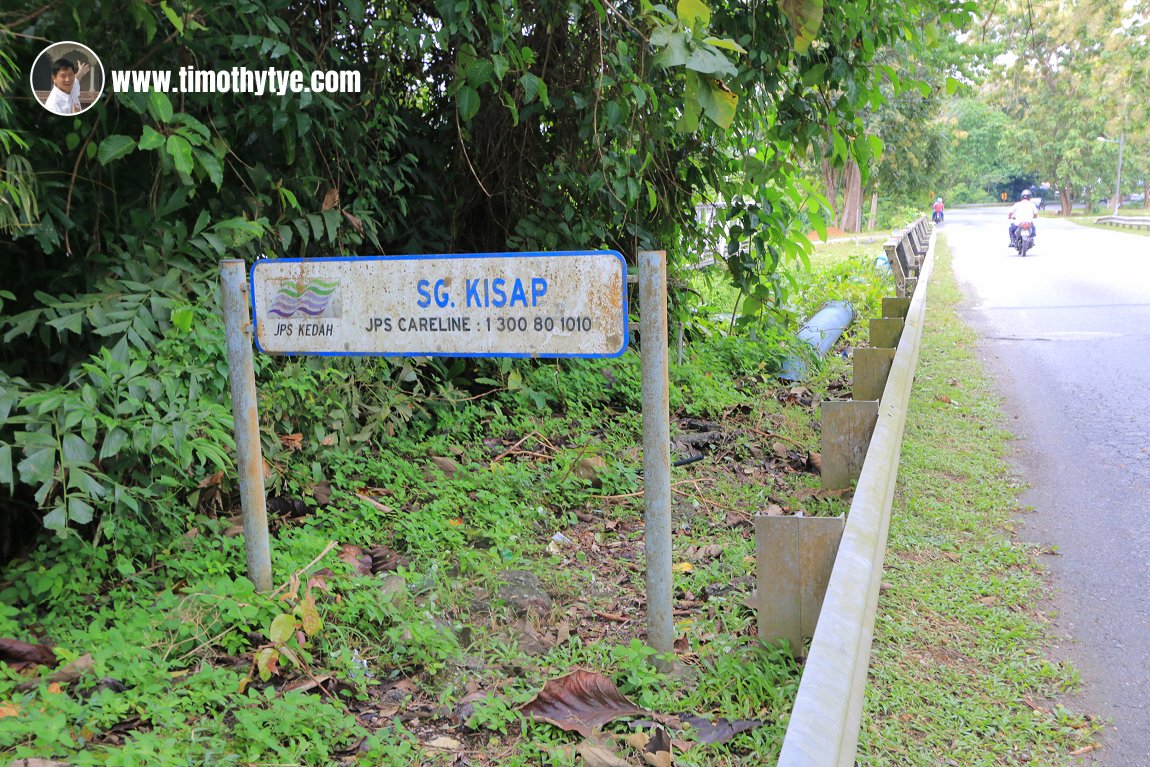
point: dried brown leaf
(445, 743)
(355, 221)
(63, 675)
(638, 740)
(379, 506)
(702, 553)
(211, 480)
(582, 701)
(331, 199)
(720, 730)
(355, 556)
(447, 465)
(598, 755)
(658, 758)
(14, 651)
(292, 441)
(590, 469)
(657, 752)
(322, 493)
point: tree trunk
(831, 179)
(851, 220)
(873, 218)
(1064, 200)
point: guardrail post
(897, 266)
(885, 332)
(794, 557)
(846, 430)
(871, 368)
(895, 307)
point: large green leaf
(806, 17)
(706, 61)
(718, 103)
(151, 138)
(160, 106)
(211, 164)
(724, 43)
(114, 147)
(692, 108)
(468, 99)
(39, 466)
(282, 628)
(79, 511)
(694, 14)
(675, 53)
(181, 153)
(7, 478)
(77, 451)
(57, 520)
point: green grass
(1135, 210)
(959, 674)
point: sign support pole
(241, 374)
(656, 449)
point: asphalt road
(1066, 335)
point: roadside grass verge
(1134, 212)
(959, 675)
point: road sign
(565, 304)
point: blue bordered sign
(564, 304)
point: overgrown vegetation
(1054, 99)
(495, 127)
(429, 586)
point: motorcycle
(936, 216)
(1023, 238)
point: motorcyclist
(938, 207)
(1023, 210)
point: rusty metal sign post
(656, 451)
(564, 304)
(249, 456)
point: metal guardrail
(1133, 222)
(825, 721)
(904, 251)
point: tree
(981, 156)
(1069, 80)
(527, 125)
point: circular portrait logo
(67, 78)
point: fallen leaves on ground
(16, 653)
(64, 675)
(582, 701)
(371, 560)
(596, 754)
